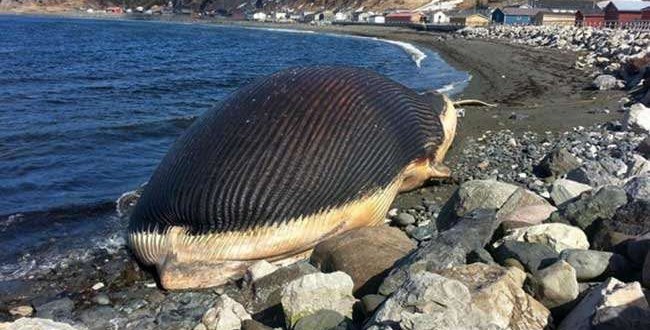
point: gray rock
(102, 299)
(592, 173)
(557, 163)
(637, 119)
(308, 294)
(557, 236)
(497, 293)
(258, 270)
(606, 82)
(612, 305)
(404, 219)
(370, 303)
(472, 195)
(638, 188)
(593, 265)
(480, 255)
(427, 299)
(99, 317)
(591, 206)
(60, 309)
(564, 190)
(226, 314)
(557, 284)
(533, 256)
(321, 320)
(266, 290)
(449, 248)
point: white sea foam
(454, 87)
(416, 54)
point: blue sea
(89, 107)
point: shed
(438, 17)
(515, 16)
(403, 17)
(377, 19)
(470, 20)
(590, 17)
(551, 18)
(623, 12)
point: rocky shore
(540, 227)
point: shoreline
(539, 85)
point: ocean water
(89, 107)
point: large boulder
(27, 323)
(557, 163)
(612, 305)
(472, 195)
(366, 254)
(638, 188)
(593, 173)
(564, 190)
(532, 256)
(524, 208)
(637, 119)
(450, 248)
(313, 292)
(557, 236)
(498, 293)
(430, 301)
(557, 284)
(593, 265)
(264, 294)
(591, 206)
(226, 314)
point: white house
(377, 19)
(281, 16)
(259, 16)
(439, 17)
(341, 16)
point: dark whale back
(292, 144)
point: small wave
(416, 54)
(454, 87)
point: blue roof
(629, 5)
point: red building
(403, 17)
(623, 12)
(590, 17)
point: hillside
(230, 5)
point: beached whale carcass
(282, 164)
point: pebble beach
(544, 224)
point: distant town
(437, 15)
